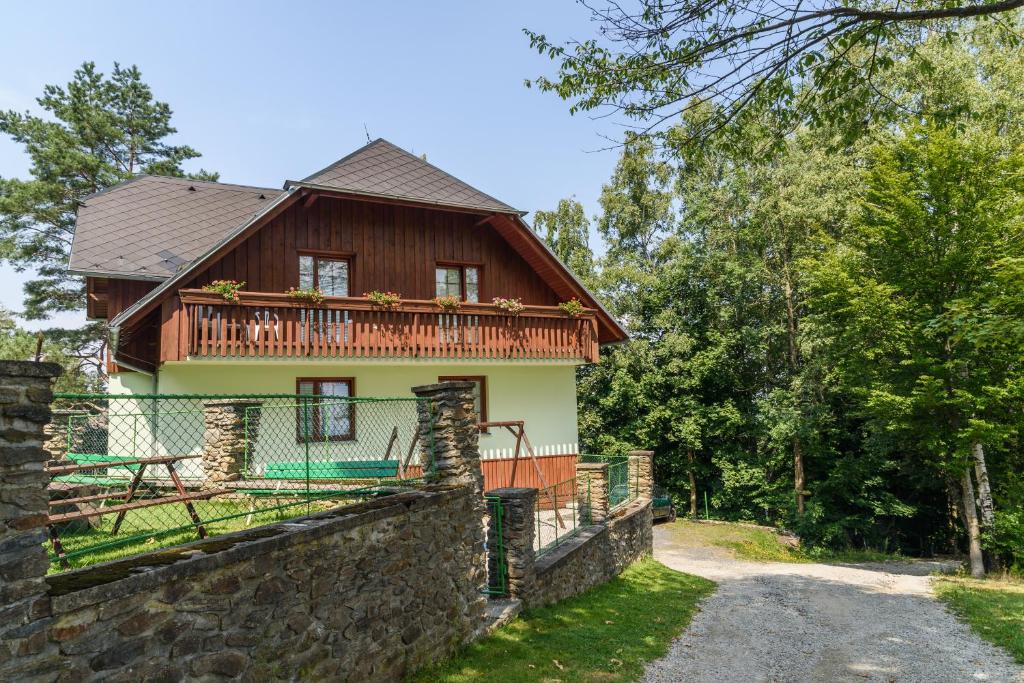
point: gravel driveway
(774, 622)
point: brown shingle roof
(381, 168)
(150, 226)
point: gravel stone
(782, 623)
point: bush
(1006, 539)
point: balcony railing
(263, 325)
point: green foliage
(99, 131)
(779, 62)
(566, 231)
(854, 305)
(995, 609)
(20, 344)
(606, 634)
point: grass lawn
(994, 608)
(606, 634)
(761, 545)
(163, 526)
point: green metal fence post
(305, 441)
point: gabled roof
(150, 226)
(165, 229)
(383, 169)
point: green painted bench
(335, 469)
(101, 461)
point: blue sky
(269, 91)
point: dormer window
(329, 272)
(462, 281)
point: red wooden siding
(555, 468)
(391, 247)
(497, 472)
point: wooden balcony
(261, 325)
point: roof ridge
(192, 181)
(345, 158)
(423, 160)
(345, 175)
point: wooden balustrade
(202, 324)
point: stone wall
(595, 555)
(366, 592)
(224, 437)
(608, 542)
(24, 411)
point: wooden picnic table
(127, 502)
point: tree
(566, 230)
(19, 344)
(939, 209)
(805, 63)
(100, 131)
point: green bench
(101, 461)
(334, 469)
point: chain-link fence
(622, 480)
(132, 473)
(560, 512)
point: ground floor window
(479, 392)
(327, 419)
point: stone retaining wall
(595, 555)
(364, 593)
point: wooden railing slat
(266, 325)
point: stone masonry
(592, 492)
(366, 592)
(447, 432)
(56, 432)
(608, 542)
(517, 533)
(25, 397)
(224, 437)
(641, 471)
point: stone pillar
(517, 538)
(448, 435)
(592, 492)
(224, 438)
(641, 473)
(25, 397)
(56, 432)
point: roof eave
(609, 318)
(170, 282)
(116, 274)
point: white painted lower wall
(543, 395)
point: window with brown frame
(329, 272)
(463, 281)
(328, 419)
(479, 393)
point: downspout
(115, 334)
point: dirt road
(780, 622)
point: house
(378, 220)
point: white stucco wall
(542, 395)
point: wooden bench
(333, 469)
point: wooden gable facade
(389, 246)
